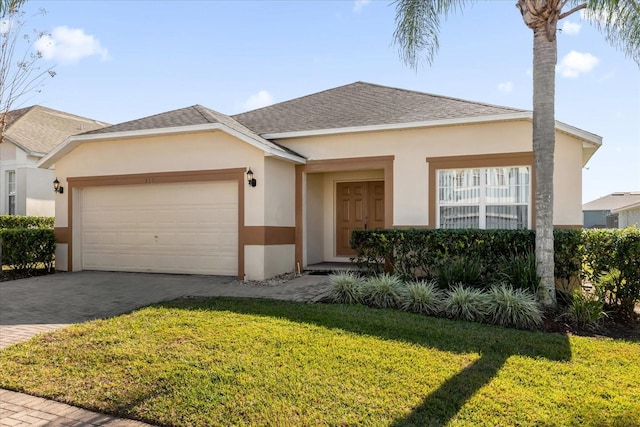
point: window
(11, 190)
(498, 197)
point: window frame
(11, 195)
(483, 185)
(524, 158)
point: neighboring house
(628, 216)
(605, 211)
(29, 135)
(170, 193)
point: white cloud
(571, 28)
(575, 63)
(258, 100)
(505, 87)
(69, 45)
(358, 5)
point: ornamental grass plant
(382, 291)
(513, 307)
(346, 287)
(421, 297)
(465, 303)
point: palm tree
(417, 25)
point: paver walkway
(39, 304)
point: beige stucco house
(30, 133)
(170, 193)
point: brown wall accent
(477, 161)
(62, 234)
(269, 235)
(340, 165)
(236, 174)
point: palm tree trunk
(545, 54)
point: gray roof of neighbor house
(189, 116)
(362, 104)
(38, 130)
(613, 201)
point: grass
(256, 362)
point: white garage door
(189, 228)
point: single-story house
(605, 211)
(31, 133)
(628, 216)
(279, 188)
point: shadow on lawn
(494, 344)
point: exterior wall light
(57, 188)
(250, 179)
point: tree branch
(575, 9)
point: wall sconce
(250, 179)
(57, 188)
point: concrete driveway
(38, 304)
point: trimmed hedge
(413, 253)
(26, 249)
(612, 264)
(27, 242)
(17, 221)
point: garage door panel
(187, 228)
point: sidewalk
(25, 313)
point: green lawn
(257, 362)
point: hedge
(27, 242)
(612, 263)
(26, 249)
(419, 252)
(17, 221)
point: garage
(184, 228)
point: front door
(359, 206)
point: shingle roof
(189, 116)
(362, 104)
(38, 129)
(612, 201)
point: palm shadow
(494, 344)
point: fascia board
(72, 142)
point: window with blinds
(497, 197)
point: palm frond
(619, 20)
(418, 25)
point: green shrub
(612, 264)
(382, 291)
(27, 248)
(585, 309)
(418, 253)
(346, 288)
(467, 271)
(18, 221)
(421, 297)
(518, 271)
(465, 303)
(511, 307)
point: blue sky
(122, 60)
